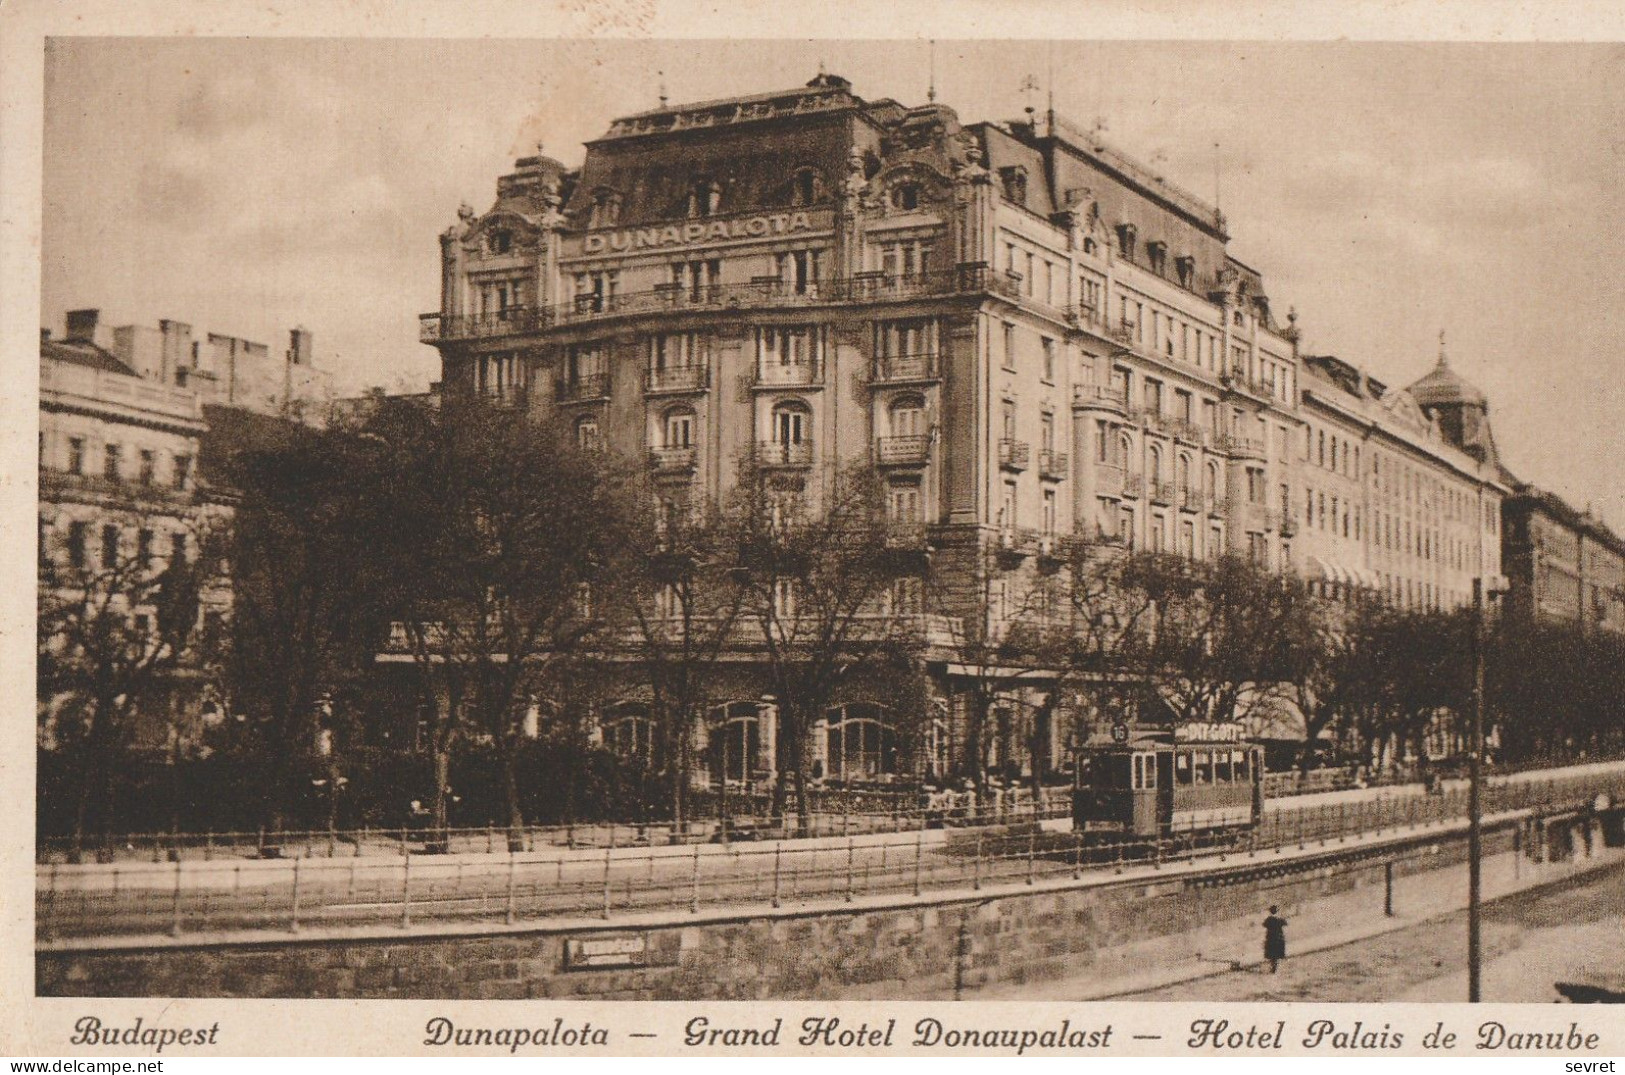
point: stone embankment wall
(936, 946)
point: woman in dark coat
(1274, 938)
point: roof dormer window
(1014, 181)
(606, 209)
(906, 196)
(1185, 266)
(500, 241)
(704, 198)
(1126, 234)
(807, 187)
(1156, 252)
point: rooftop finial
(662, 75)
(931, 89)
(1029, 86)
(1444, 359)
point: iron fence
(613, 879)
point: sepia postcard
(650, 529)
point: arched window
(1182, 472)
(792, 423)
(906, 417)
(606, 209)
(1211, 486)
(677, 428)
(629, 732)
(905, 196)
(734, 750)
(705, 198)
(862, 742)
(1153, 466)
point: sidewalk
(1333, 922)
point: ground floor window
(862, 744)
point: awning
(1343, 575)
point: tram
(1201, 780)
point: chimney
(299, 347)
(176, 349)
(82, 326)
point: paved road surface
(1564, 933)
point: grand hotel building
(1030, 335)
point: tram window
(1149, 762)
(1221, 767)
(1115, 773)
(1204, 766)
(1243, 773)
(1182, 768)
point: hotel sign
(767, 225)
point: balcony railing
(1108, 480)
(1188, 431)
(1236, 445)
(54, 484)
(773, 374)
(1163, 492)
(1018, 540)
(913, 450)
(1084, 316)
(907, 536)
(965, 278)
(772, 453)
(904, 369)
(1289, 526)
(1134, 485)
(673, 460)
(1013, 454)
(1100, 397)
(1192, 499)
(1052, 464)
(586, 387)
(677, 379)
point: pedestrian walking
(1274, 938)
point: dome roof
(1444, 385)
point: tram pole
(1482, 588)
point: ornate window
(677, 428)
(862, 744)
(629, 732)
(905, 196)
(1014, 183)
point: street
(1569, 932)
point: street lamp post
(1483, 589)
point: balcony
(1192, 499)
(514, 321)
(673, 461)
(1052, 464)
(1016, 543)
(675, 379)
(582, 389)
(788, 375)
(1249, 515)
(1188, 432)
(1289, 526)
(1013, 454)
(1240, 447)
(1108, 480)
(1084, 317)
(56, 485)
(1163, 492)
(905, 369)
(910, 451)
(772, 453)
(1100, 397)
(1134, 485)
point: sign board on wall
(615, 950)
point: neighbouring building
(225, 370)
(120, 498)
(1564, 565)
(1395, 499)
(1032, 338)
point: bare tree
(819, 571)
(502, 531)
(684, 596)
(115, 632)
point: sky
(1385, 191)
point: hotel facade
(1032, 339)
